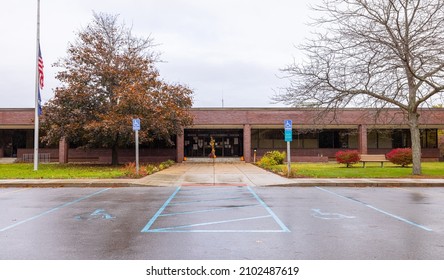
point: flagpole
(36, 113)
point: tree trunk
(416, 143)
(115, 145)
(114, 156)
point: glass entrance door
(228, 142)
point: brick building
(240, 131)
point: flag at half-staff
(41, 80)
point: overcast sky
(230, 49)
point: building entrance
(229, 142)
(12, 140)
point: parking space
(215, 209)
(235, 222)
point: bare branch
(377, 53)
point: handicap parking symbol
(288, 124)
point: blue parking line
(154, 218)
(280, 223)
(188, 228)
(206, 200)
(378, 210)
(53, 210)
(210, 193)
(207, 210)
(173, 229)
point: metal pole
(288, 159)
(137, 152)
(36, 113)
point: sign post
(136, 128)
(288, 128)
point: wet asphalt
(222, 222)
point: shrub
(130, 170)
(169, 163)
(293, 171)
(401, 156)
(279, 157)
(348, 157)
(272, 158)
(266, 162)
(150, 169)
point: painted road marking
(53, 210)
(378, 210)
(253, 200)
(317, 213)
(154, 218)
(206, 210)
(97, 214)
(206, 200)
(209, 223)
(191, 193)
(280, 223)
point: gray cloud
(221, 47)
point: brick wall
(276, 116)
(266, 116)
(238, 117)
(19, 117)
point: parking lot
(222, 222)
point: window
(304, 139)
(334, 139)
(429, 138)
(401, 138)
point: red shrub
(348, 157)
(400, 156)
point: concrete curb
(293, 183)
(232, 174)
(75, 185)
(361, 185)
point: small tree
(400, 156)
(348, 157)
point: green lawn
(59, 171)
(372, 170)
(313, 170)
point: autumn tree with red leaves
(109, 78)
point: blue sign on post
(288, 124)
(288, 135)
(136, 124)
(288, 128)
(136, 128)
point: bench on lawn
(373, 158)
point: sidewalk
(251, 175)
(222, 174)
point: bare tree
(373, 53)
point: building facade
(249, 132)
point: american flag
(40, 69)
(41, 81)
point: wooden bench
(373, 158)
